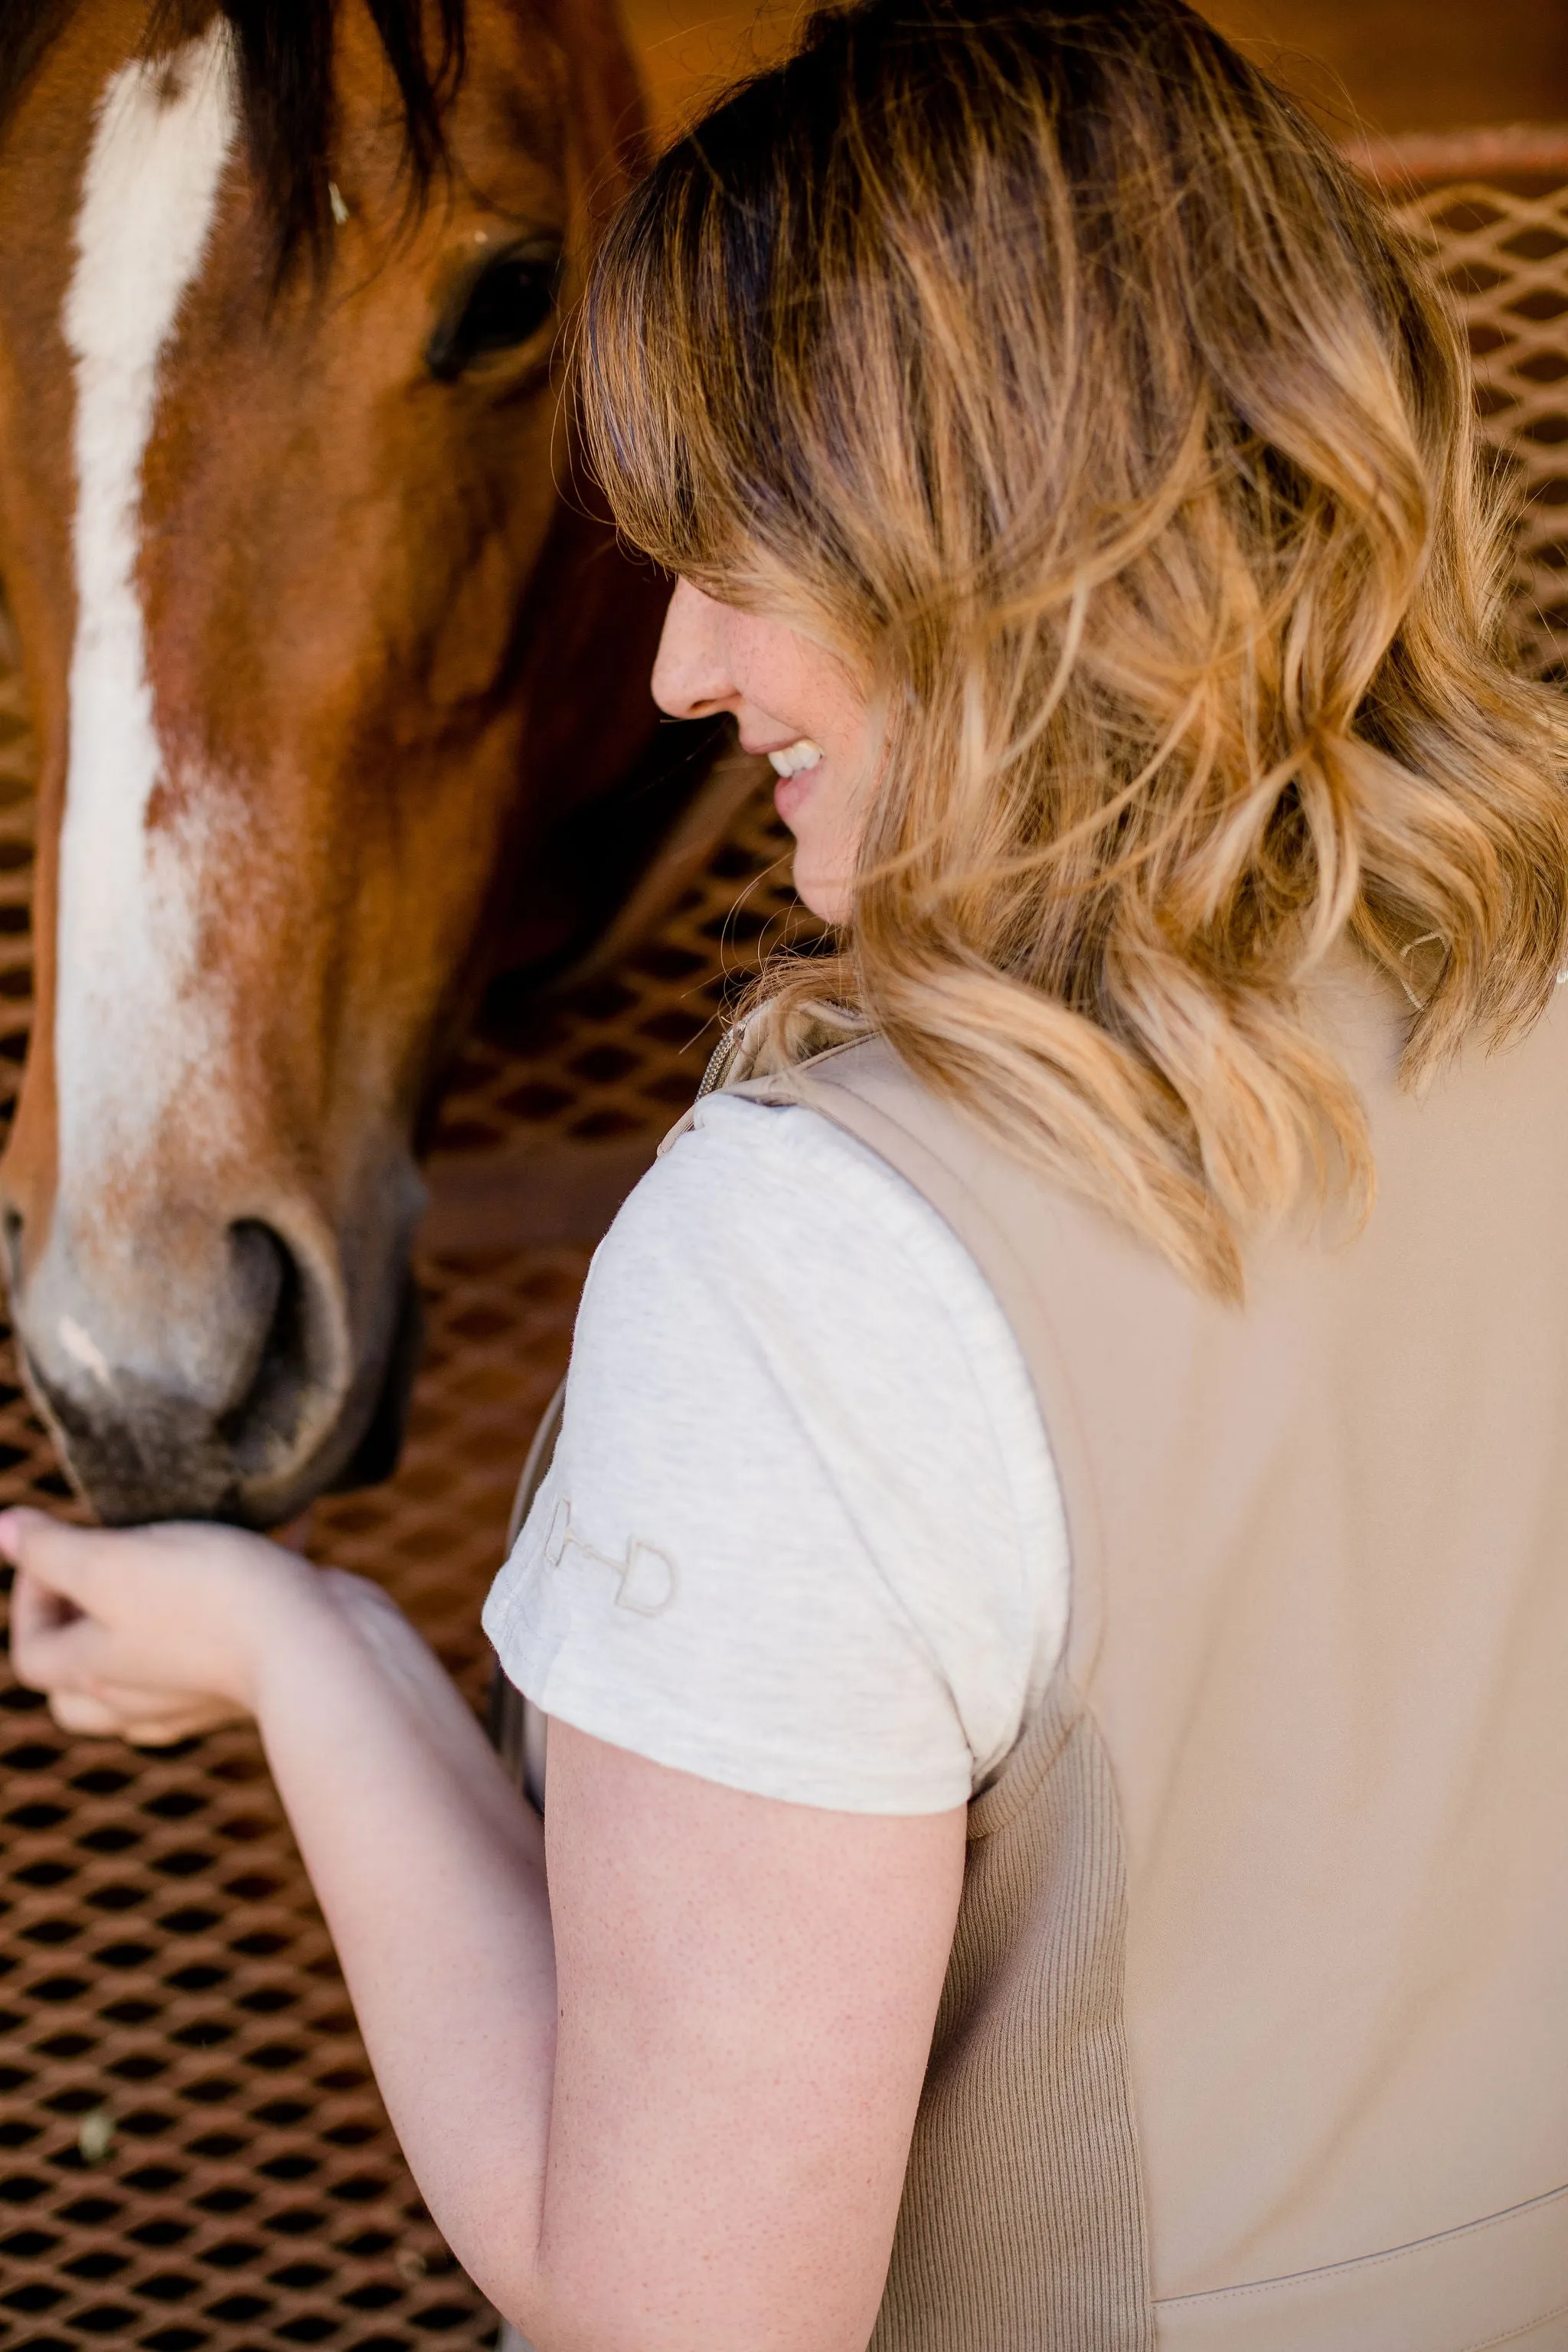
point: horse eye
(504, 304)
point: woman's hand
(152, 1633)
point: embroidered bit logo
(645, 1578)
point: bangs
(648, 385)
(703, 334)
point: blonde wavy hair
(1045, 360)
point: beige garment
(1256, 2033)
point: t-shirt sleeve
(801, 1535)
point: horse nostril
(264, 1423)
(11, 1244)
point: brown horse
(318, 650)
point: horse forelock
(284, 56)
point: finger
(88, 1717)
(143, 1718)
(154, 1718)
(36, 1610)
(64, 1558)
(52, 1643)
(166, 1731)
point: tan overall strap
(1021, 2228)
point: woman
(1024, 1421)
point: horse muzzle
(191, 1366)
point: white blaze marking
(130, 1031)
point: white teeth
(796, 758)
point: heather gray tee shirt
(801, 1533)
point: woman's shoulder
(772, 1256)
(784, 1195)
(792, 1390)
(774, 1228)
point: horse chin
(162, 1456)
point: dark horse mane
(285, 52)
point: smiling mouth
(796, 759)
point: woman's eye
(504, 305)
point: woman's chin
(821, 876)
(826, 896)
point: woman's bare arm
(668, 2106)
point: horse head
(318, 648)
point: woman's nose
(691, 676)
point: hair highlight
(1051, 363)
